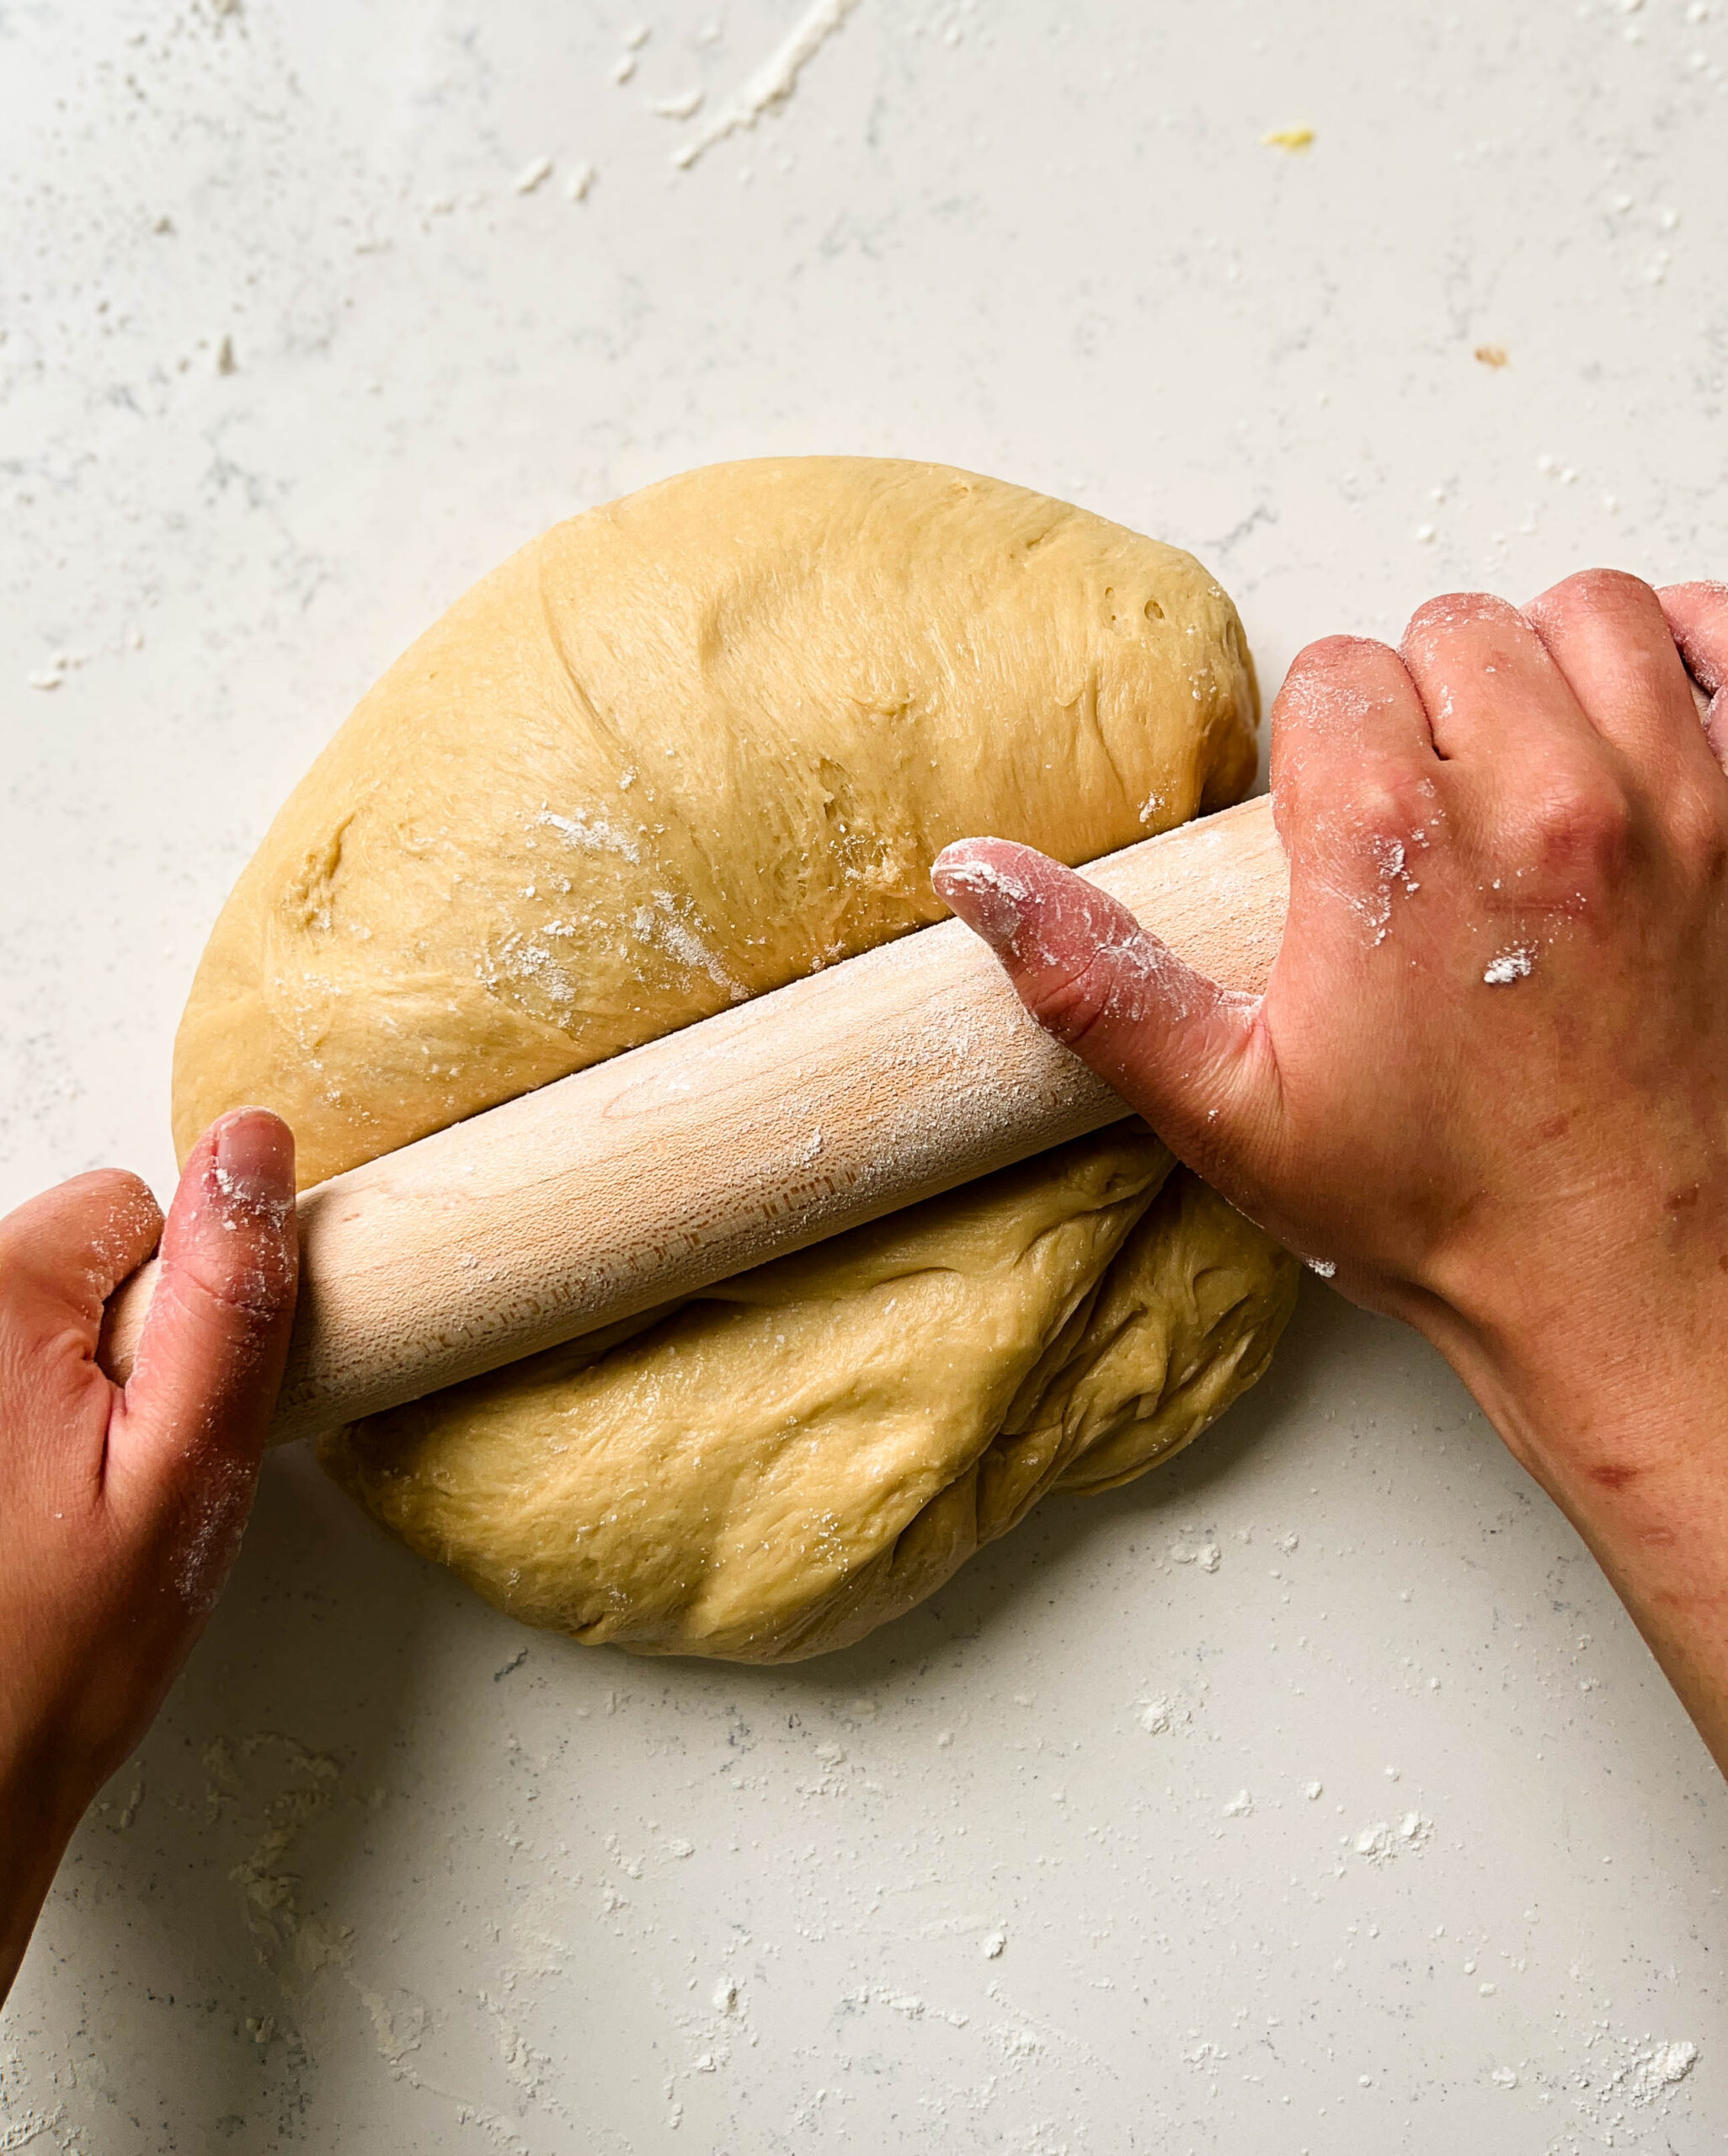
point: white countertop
(1375, 1830)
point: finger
(66, 1251)
(1180, 1049)
(1610, 639)
(1697, 616)
(1494, 696)
(187, 1436)
(1357, 790)
(60, 1257)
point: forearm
(1642, 1473)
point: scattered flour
(1508, 967)
(902, 2003)
(660, 924)
(1383, 1840)
(1390, 868)
(1000, 899)
(591, 834)
(19, 2130)
(1662, 2068)
(1625, 2089)
(208, 1539)
(54, 672)
(772, 83)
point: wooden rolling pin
(824, 1105)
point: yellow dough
(809, 1449)
(682, 750)
(677, 751)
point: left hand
(121, 1509)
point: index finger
(61, 1254)
(67, 1250)
(1354, 772)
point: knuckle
(123, 1201)
(251, 1287)
(1074, 1003)
(1579, 827)
(1338, 687)
(1329, 665)
(1595, 591)
(1396, 804)
(1450, 611)
(1698, 833)
(1327, 653)
(109, 1187)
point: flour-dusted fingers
(1495, 700)
(1609, 636)
(1359, 797)
(61, 1254)
(1347, 724)
(69, 1248)
(1183, 1051)
(1697, 614)
(119, 1513)
(189, 1431)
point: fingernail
(252, 1163)
(991, 901)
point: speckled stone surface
(1312, 1795)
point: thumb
(188, 1433)
(1188, 1055)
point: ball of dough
(677, 752)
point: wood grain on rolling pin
(826, 1104)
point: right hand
(1488, 1081)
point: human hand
(122, 1509)
(1487, 1084)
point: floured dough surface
(675, 753)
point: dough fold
(782, 1464)
(676, 752)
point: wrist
(38, 1816)
(1599, 1374)
(1621, 1418)
(1601, 1345)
